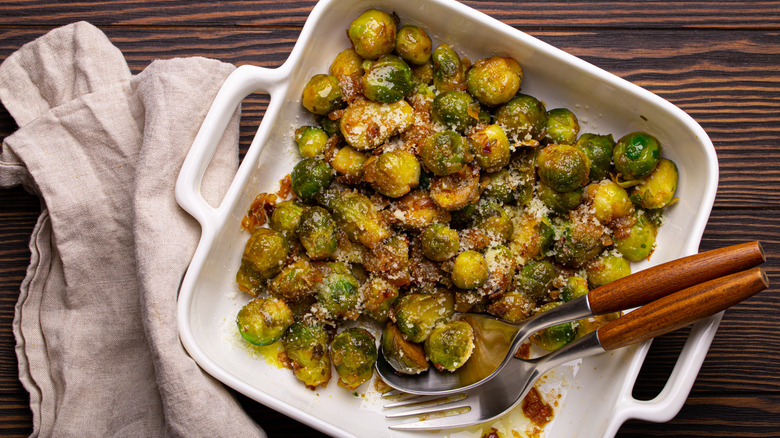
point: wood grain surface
(718, 61)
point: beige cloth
(95, 323)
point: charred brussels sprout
(353, 353)
(367, 124)
(373, 33)
(338, 295)
(598, 149)
(636, 155)
(450, 345)
(575, 287)
(609, 202)
(311, 176)
(495, 220)
(357, 216)
(285, 217)
(523, 118)
(559, 202)
(264, 255)
(417, 210)
(413, 44)
(532, 236)
(306, 344)
(388, 80)
(417, 314)
(657, 190)
(317, 233)
(562, 126)
(447, 69)
(296, 281)
(322, 94)
(470, 270)
(440, 242)
(453, 192)
(490, 147)
(638, 242)
(512, 306)
(445, 153)
(423, 73)
(494, 81)
(378, 297)
(347, 63)
(394, 173)
(578, 242)
(535, 278)
(606, 269)
(455, 109)
(311, 140)
(348, 161)
(263, 321)
(404, 356)
(562, 167)
(555, 337)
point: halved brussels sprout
(445, 153)
(393, 174)
(263, 321)
(532, 236)
(555, 337)
(306, 345)
(450, 345)
(608, 201)
(469, 270)
(388, 80)
(338, 296)
(559, 202)
(264, 255)
(512, 306)
(311, 176)
(523, 118)
(390, 260)
(535, 278)
(638, 242)
(501, 270)
(296, 281)
(322, 94)
(367, 124)
(357, 216)
(404, 356)
(439, 242)
(447, 69)
(417, 314)
(495, 80)
(317, 232)
(495, 220)
(490, 147)
(598, 148)
(373, 33)
(378, 297)
(423, 73)
(416, 210)
(413, 44)
(578, 242)
(311, 140)
(347, 63)
(575, 287)
(562, 126)
(349, 161)
(285, 217)
(563, 167)
(353, 353)
(657, 189)
(455, 109)
(607, 268)
(636, 155)
(453, 192)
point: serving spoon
(496, 341)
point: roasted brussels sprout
(353, 353)
(575, 287)
(378, 296)
(522, 167)
(263, 321)
(501, 271)
(495, 220)
(563, 167)
(532, 236)
(636, 155)
(394, 173)
(453, 192)
(535, 278)
(285, 217)
(494, 81)
(607, 268)
(404, 356)
(578, 242)
(338, 296)
(390, 260)
(523, 118)
(555, 337)
(490, 147)
(417, 210)
(562, 126)
(296, 281)
(447, 69)
(373, 33)
(559, 202)
(317, 233)
(455, 109)
(608, 201)
(445, 153)
(311, 140)
(367, 124)
(306, 345)
(638, 242)
(264, 255)
(469, 270)
(311, 176)
(598, 149)
(512, 306)
(357, 216)
(450, 345)
(349, 161)
(347, 63)
(388, 80)
(417, 314)
(413, 44)
(440, 242)
(322, 94)
(423, 73)
(657, 189)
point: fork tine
(460, 419)
(429, 406)
(428, 400)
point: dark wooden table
(719, 61)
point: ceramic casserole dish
(598, 396)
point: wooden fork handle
(646, 286)
(681, 308)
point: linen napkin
(95, 323)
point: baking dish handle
(242, 82)
(667, 404)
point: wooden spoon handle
(681, 308)
(646, 286)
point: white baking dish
(598, 400)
